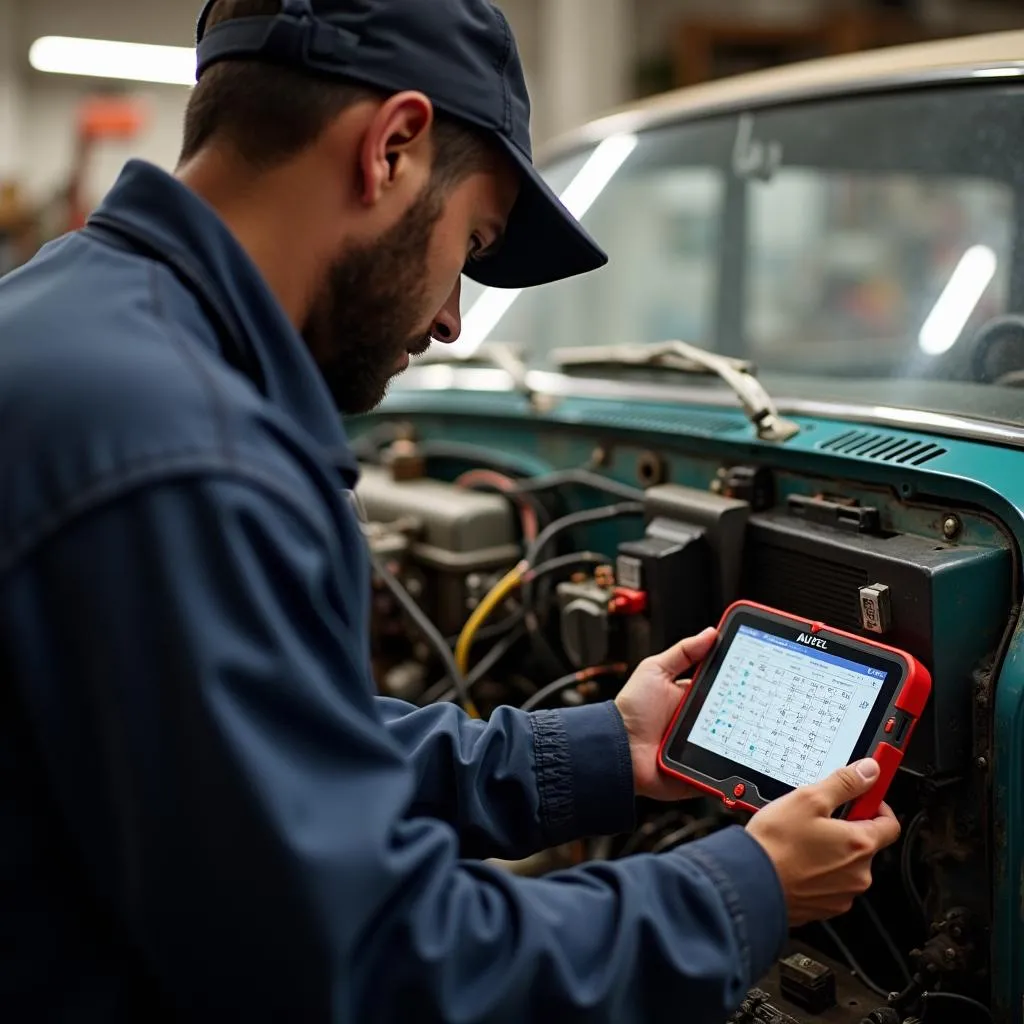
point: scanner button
(739, 789)
(890, 725)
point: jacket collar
(156, 212)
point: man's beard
(372, 310)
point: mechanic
(206, 812)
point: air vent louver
(866, 444)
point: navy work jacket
(206, 812)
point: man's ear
(395, 153)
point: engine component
(688, 562)
(601, 623)
(884, 1015)
(405, 681)
(846, 515)
(807, 982)
(586, 625)
(672, 565)
(818, 571)
(805, 986)
(757, 1007)
(950, 948)
(723, 521)
(452, 534)
(752, 484)
(404, 460)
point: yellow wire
(483, 612)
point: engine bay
(498, 584)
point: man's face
(385, 302)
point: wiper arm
(678, 355)
(500, 356)
(507, 359)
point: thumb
(849, 782)
(685, 654)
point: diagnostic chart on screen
(791, 712)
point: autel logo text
(812, 641)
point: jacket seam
(150, 472)
(173, 331)
(554, 773)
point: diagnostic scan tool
(781, 702)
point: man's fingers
(885, 811)
(676, 660)
(848, 782)
(887, 830)
(884, 828)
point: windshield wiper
(684, 358)
(496, 354)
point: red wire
(505, 484)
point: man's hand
(823, 863)
(648, 702)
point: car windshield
(864, 249)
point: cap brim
(543, 242)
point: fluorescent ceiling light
(593, 177)
(958, 300)
(580, 194)
(484, 315)
(101, 58)
(1003, 72)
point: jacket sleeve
(519, 782)
(251, 824)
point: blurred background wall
(582, 57)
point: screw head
(949, 955)
(951, 527)
(982, 763)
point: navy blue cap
(459, 53)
